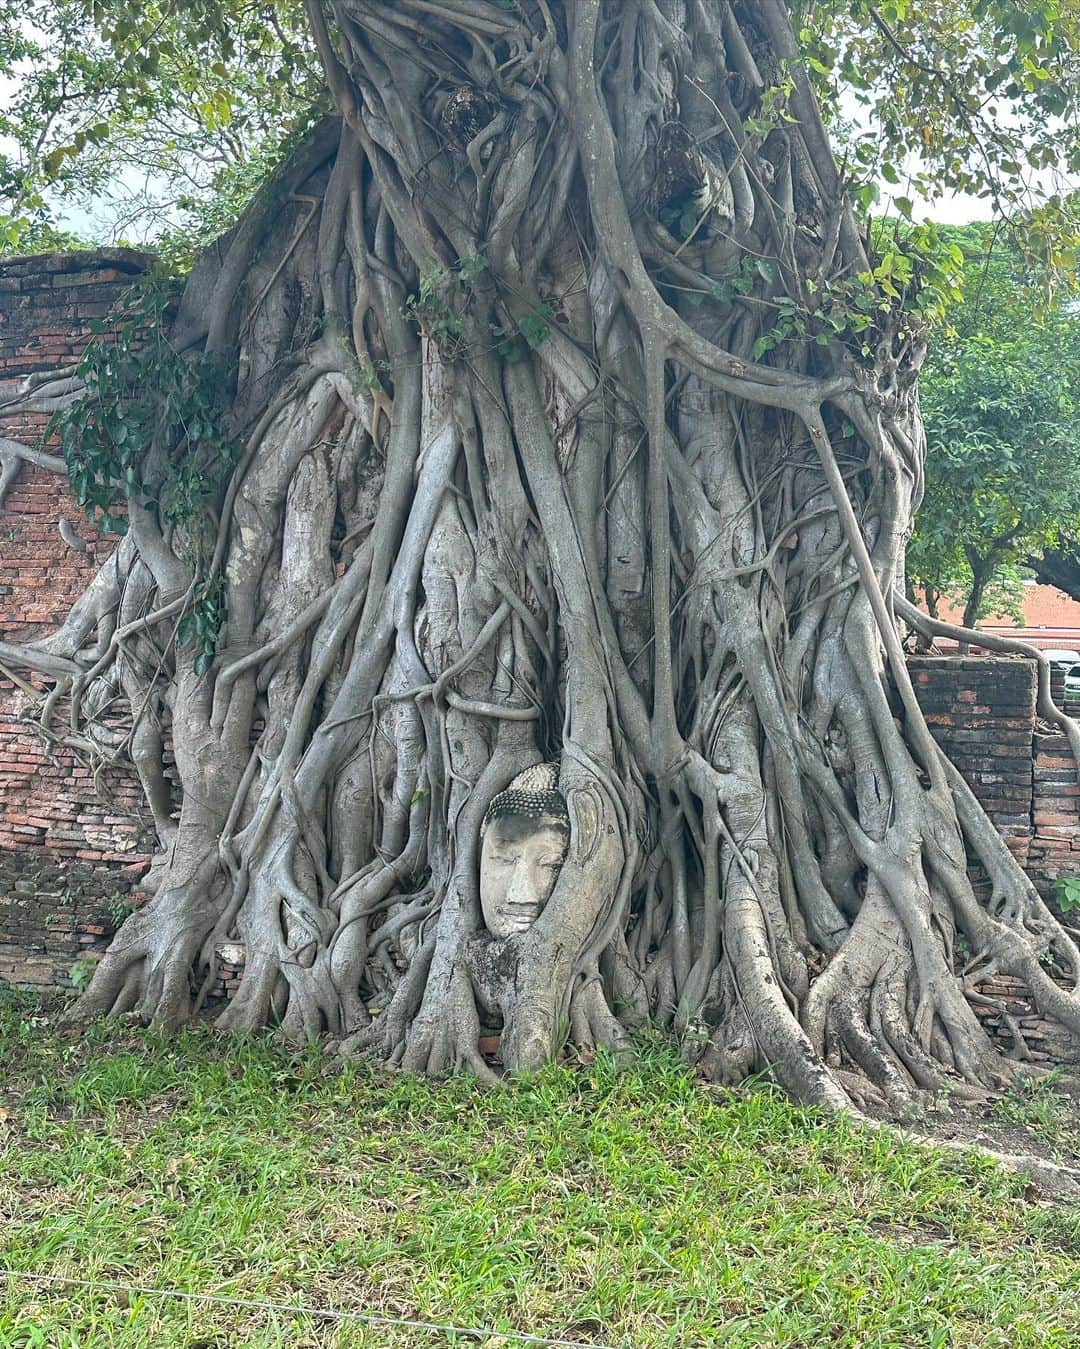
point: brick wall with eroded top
(69, 854)
(982, 712)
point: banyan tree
(524, 610)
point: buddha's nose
(519, 890)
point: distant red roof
(1051, 618)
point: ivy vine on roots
(523, 471)
(138, 389)
(144, 402)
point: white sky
(96, 218)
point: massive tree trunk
(518, 482)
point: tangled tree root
(510, 485)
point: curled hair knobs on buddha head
(534, 794)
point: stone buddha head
(524, 840)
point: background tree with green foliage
(552, 401)
(999, 399)
(164, 122)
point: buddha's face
(520, 860)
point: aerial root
(1056, 1180)
(593, 1025)
(445, 1035)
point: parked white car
(1069, 661)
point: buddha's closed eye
(505, 856)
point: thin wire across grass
(583, 1203)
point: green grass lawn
(621, 1208)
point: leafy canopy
(999, 393)
(973, 96)
(177, 108)
(155, 115)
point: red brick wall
(981, 710)
(1054, 849)
(51, 801)
(40, 576)
(68, 858)
(47, 303)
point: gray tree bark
(512, 486)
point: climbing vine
(141, 390)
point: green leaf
(534, 330)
